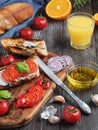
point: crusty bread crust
(12, 15)
(16, 46)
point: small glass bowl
(82, 76)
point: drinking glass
(80, 27)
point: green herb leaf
(80, 3)
(5, 94)
(22, 67)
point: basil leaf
(5, 94)
(22, 67)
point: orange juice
(80, 28)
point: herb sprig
(80, 3)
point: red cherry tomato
(40, 22)
(20, 101)
(32, 66)
(7, 59)
(71, 114)
(45, 84)
(10, 74)
(31, 98)
(26, 33)
(4, 107)
(25, 100)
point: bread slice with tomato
(19, 72)
(25, 47)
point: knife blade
(83, 106)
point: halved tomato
(36, 98)
(25, 100)
(35, 89)
(10, 74)
(32, 66)
(37, 92)
(29, 100)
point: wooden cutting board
(20, 117)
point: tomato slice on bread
(11, 73)
(32, 66)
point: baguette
(12, 15)
(20, 80)
(24, 47)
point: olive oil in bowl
(82, 76)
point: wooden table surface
(57, 40)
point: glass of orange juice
(80, 27)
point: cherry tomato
(7, 59)
(45, 84)
(29, 99)
(20, 101)
(25, 100)
(71, 114)
(10, 74)
(26, 33)
(4, 107)
(40, 22)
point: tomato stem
(41, 16)
(26, 27)
(72, 110)
(44, 82)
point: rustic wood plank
(57, 41)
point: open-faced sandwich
(18, 72)
(25, 47)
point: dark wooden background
(57, 40)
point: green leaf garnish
(80, 3)
(22, 67)
(5, 94)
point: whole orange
(96, 18)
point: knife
(83, 106)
